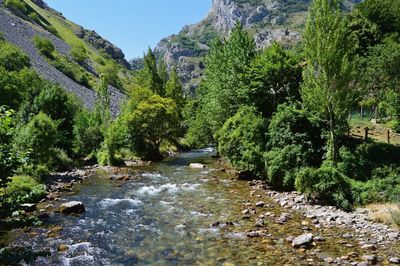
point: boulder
(72, 207)
(197, 166)
(303, 240)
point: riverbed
(171, 214)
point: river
(171, 215)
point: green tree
(275, 77)
(37, 139)
(149, 76)
(384, 13)
(329, 67)
(153, 121)
(174, 88)
(242, 140)
(162, 70)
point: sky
(133, 25)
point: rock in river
(303, 240)
(72, 207)
(28, 207)
(197, 166)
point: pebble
(394, 260)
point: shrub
(37, 139)
(110, 74)
(16, 5)
(52, 30)
(44, 46)
(79, 53)
(23, 189)
(326, 184)
(242, 140)
(12, 58)
(115, 139)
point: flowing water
(165, 217)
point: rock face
(73, 207)
(268, 20)
(100, 43)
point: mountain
(22, 20)
(267, 20)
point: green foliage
(149, 76)
(16, 5)
(12, 58)
(37, 139)
(383, 186)
(275, 77)
(87, 132)
(72, 70)
(294, 141)
(328, 73)
(23, 189)
(326, 184)
(384, 13)
(44, 46)
(110, 74)
(153, 121)
(79, 53)
(242, 140)
(360, 162)
(174, 88)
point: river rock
(394, 260)
(72, 207)
(197, 166)
(373, 259)
(303, 240)
(260, 204)
(28, 207)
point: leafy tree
(149, 76)
(174, 88)
(384, 13)
(242, 140)
(152, 122)
(12, 58)
(37, 139)
(275, 76)
(329, 67)
(163, 73)
(44, 46)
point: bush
(44, 46)
(12, 58)
(242, 140)
(110, 74)
(23, 189)
(115, 139)
(326, 184)
(79, 54)
(37, 139)
(16, 5)
(52, 30)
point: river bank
(170, 214)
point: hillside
(35, 18)
(267, 20)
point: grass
(385, 213)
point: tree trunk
(332, 139)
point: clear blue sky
(133, 25)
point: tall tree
(329, 69)
(149, 76)
(174, 88)
(162, 70)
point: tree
(162, 70)
(242, 140)
(384, 13)
(329, 69)
(152, 122)
(149, 76)
(174, 88)
(275, 77)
